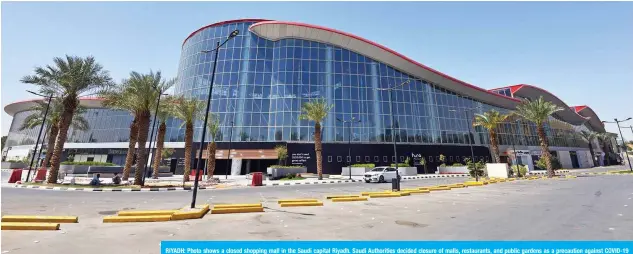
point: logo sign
(535, 153)
(299, 158)
(520, 152)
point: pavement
(583, 208)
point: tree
(187, 110)
(163, 114)
(490, 120)
(138, 94)
(4, 139)
(538, 111)
(604, 140)
(52, 122)
(589, 136)
(282, 154)
(316, 110)
(213, 127)
(68, 79)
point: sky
(580, 51)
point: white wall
(565, 159)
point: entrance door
(172, 165)
(574, 159)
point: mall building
(271, 68)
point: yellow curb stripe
(417, 191)
(439, 188)
(236, 205)
(198, 213)
(152, 218)
(296, 200)
(341, 196)
(146, 213)
(37, 218)
(29, 226)
(292, 204)
(237, 210)
(349, 199)
(385, 195)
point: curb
(355, 180)
(112, 189)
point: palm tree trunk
(160, 142)
(188, 144)
(593, 158)
(70, 104)
(318, 148)
(211, 159)
(494, 145)
(143, 130)
(131, 149)
(545, 150)
(52, 136)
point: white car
(381, 174)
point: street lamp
(470, 137)
(623, 141)
(228, 158)
(206, 112)
(151, 137)
(48, 105)
(393, 125)
(349, 143)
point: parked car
(381, 174)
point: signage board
(299, 158)
(417, 159)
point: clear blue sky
(582, 52)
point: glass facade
(260, 85)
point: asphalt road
(585, 208)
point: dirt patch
(411, 224)
(258, 218)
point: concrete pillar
(236, 167)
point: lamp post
(151, 138)
(470, 141)
(393, 125)
(349, 142)
(228, 158)
(623, 141)
(48, 105)
(206, 112)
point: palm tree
(538, 111)
(316, 111)
(139, 94)
(589, 136)
(187, 110)
(68, 79)
(52, 122)
(604, 140)
(163, 114)
(490, 120)
(213, 126)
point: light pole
(48, 105)
(393, 125)
(349, 142)
(470, 137)
(623, 141)
(151, 137)
(228, 158)
(206, 112)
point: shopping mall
(271, 68)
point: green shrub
(366, 165)
(400, 165)
(522, 169)
(555, 163)
(88, 163)
(476, 169)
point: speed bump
(385, 195)
(341, 196)
(292, 204)
(37, 218)
(473, 183)
(349, 199)
(225, 210)
(147, 218)
(29, 226)
(146, 213)
(296, 201)
(369, 193)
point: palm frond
(315, 110)
(537, 111)
(489, 120)
(213, 125)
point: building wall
(565, 159)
